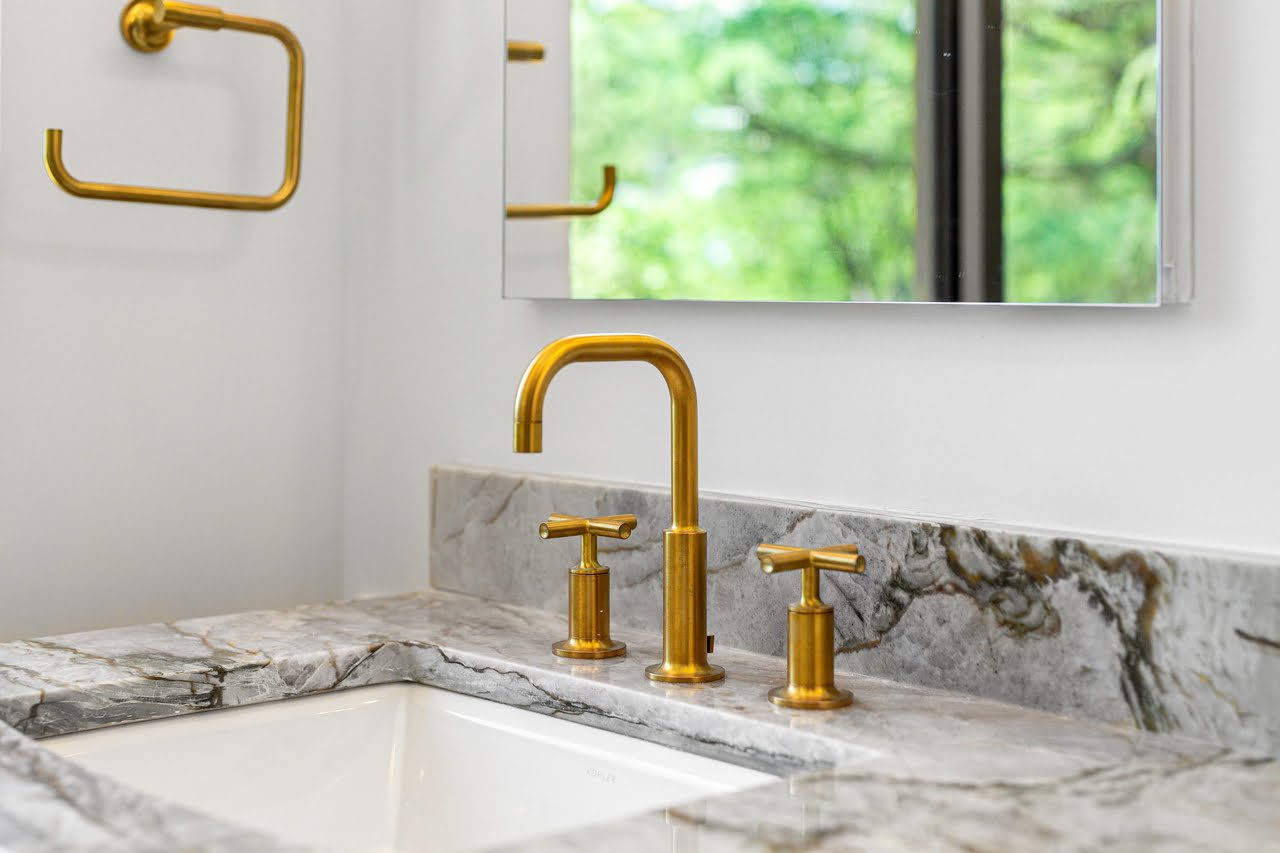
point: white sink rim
(203, 761)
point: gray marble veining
(1126, 808)
(1162, 639)
(902, 763)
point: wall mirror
(992, 151)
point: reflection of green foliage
(1080, 150)
(765, 149)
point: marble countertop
(904, 768)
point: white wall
(1154, 424)
(169, 378)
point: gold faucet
(685, 642)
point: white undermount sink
(399, 767)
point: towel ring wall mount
(148, 26)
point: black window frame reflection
(960, 156)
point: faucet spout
(684, 404)
(685, 642)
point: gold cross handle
(810, 625)
(588, 584)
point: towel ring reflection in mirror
(557, 211)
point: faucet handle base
(589, 649)
(810, 699)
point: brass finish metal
(532, 51)
(148, 26)
(137, 25)
(685, 641)
(810, 625)
(525, 51)
(557, 211)
(588, 585)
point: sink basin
(398, 767)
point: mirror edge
(1175, 129)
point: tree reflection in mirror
(878, 150)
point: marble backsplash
(1162, 639)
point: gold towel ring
(553, 211)
(147, 26)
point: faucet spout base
(684, 674)
(684, 610)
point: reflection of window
(1073, 89)
(866, 149)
